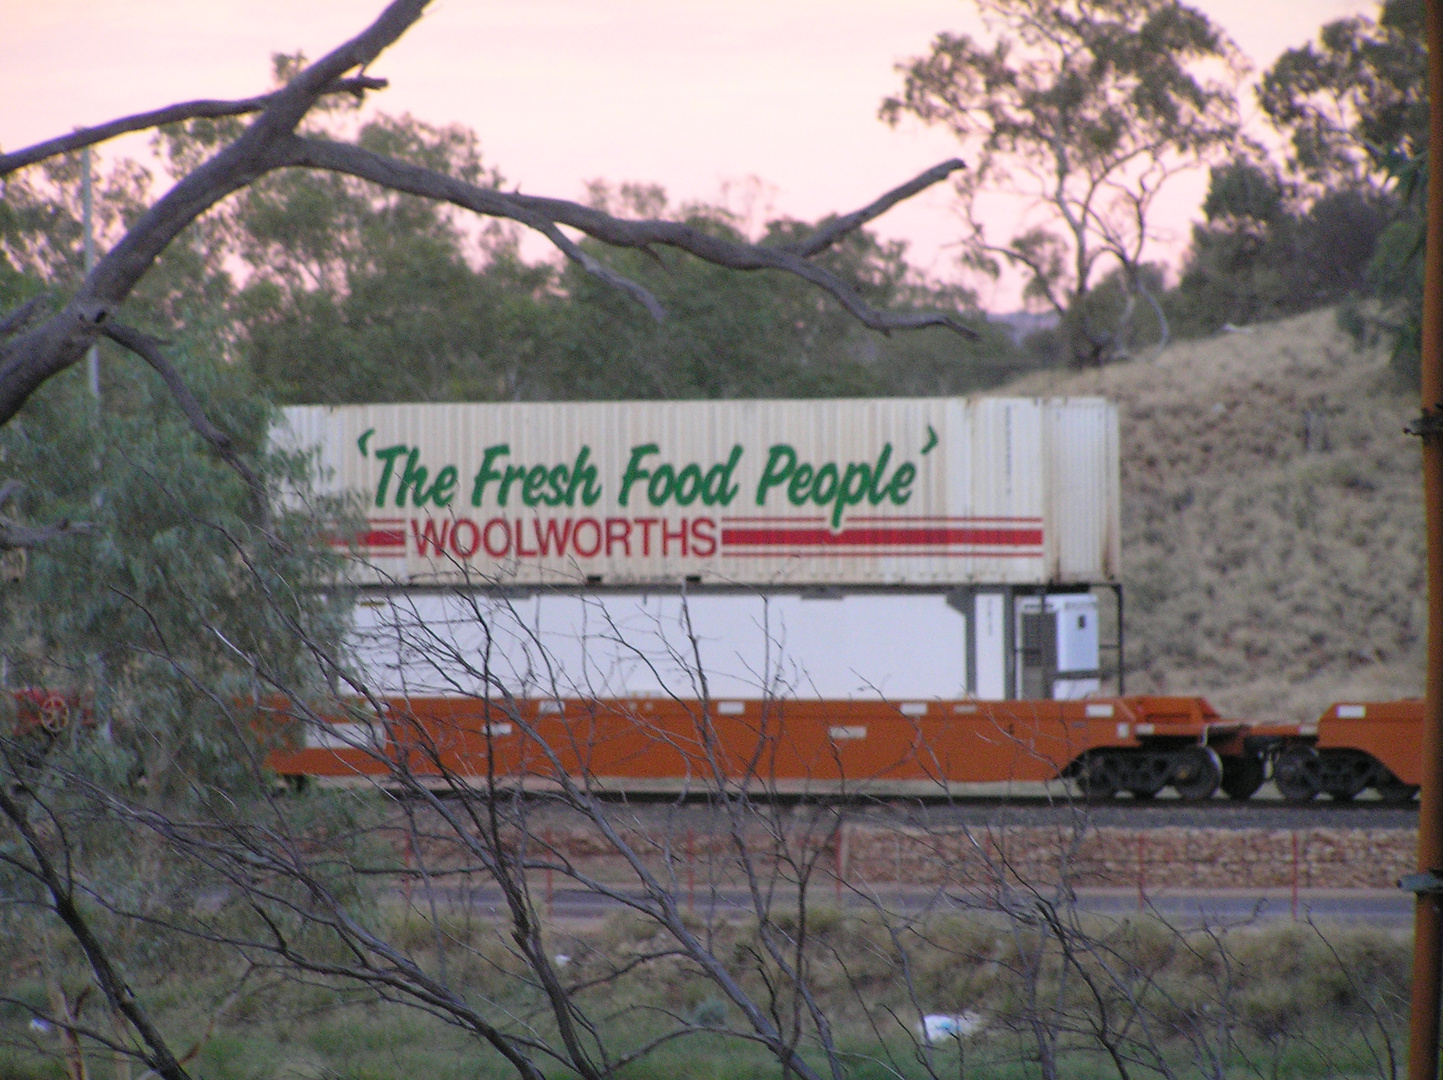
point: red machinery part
(45, 710)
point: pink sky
(692, 94)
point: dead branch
(121, 998)
(545, 214)
(14, 535)
(171, 114)
(149, 349)
(837, 228)
(31, 357)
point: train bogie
(1388, 732)
(1351, 748)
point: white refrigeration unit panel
(1044, 646)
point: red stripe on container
(382, 538)
(381, 533)
(901, 553)
(874, 536)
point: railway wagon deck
(1138, 744)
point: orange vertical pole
(1427, 916)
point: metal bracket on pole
(1425, 883)
(1430, 423)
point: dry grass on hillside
(1272, 518)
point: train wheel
(54, 713)
(1392, 790)
(1243, 774)
(1345, 773)
(1196, 772)
(1098, 777)
(1298, 773)
(1143, 775)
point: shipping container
(928, 492)
(837, 647)
(550, 645)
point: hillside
(1272, 518)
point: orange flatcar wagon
(1138, 745)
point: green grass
(1273, 1002)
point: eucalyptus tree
(1354, 109)
(1086, 108)
(1354, 101)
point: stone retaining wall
(1319, 858)
(982, 857)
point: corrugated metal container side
(884, 492)
(1084, 488)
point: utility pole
(1427, 883)
(87, 203)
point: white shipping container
(854, 646)
(762, 494)
(859, 647)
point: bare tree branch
(13, 535)
(544, 214)
(20, 318)
(149, 349)
(171, 114)
(26, 536)
(121, 998)
(834, 230)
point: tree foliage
(355, 293)
(1338, 222)
(149, 615)
(1395, 274)
(1088, 107)
(1354, 99)
(1265, 251)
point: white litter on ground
(938, 1027)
